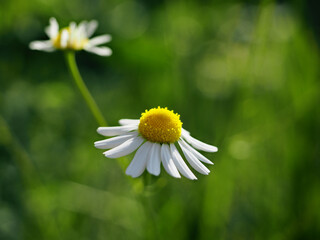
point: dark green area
(243, 76)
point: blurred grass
(243, 77)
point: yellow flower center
(160, 125)
(73, 42)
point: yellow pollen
(160, 125)
(73, 43)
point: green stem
(71, 60)
(70, 57)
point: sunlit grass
(243, 77)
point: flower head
(155, 136)
(74, 37)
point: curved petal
(53, 29)
(167, 161)
(183, 131)
(180, 164)
(73, 27)
(42, 46)
(139, 162)
(115, 141)
(99, 40)
(81, 29)
(154, 159)
(194, 162)
(91, 27)
(129, 121)
(198, 144)
(64, 38)
(125, 148)
(114, 131)
(101, 51)
(196, 153)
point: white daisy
(75, 37)
(155, 136)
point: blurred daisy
(75, 37)
(155, 135)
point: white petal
(83, 24)
(72, 27)
(47, 30)
(183, 131)
(42, 46)
(153, 164)
(196, 153)
(167, 161)
(129, 121)
(91, 28)
(138, 163)
(82, 28)
(115, 141)
(81, 31)
(64, 38)
(180, 164)
(113, 131)
(101, 51)
(198, 144)
(194, 162)
(125, 148)
(99, 40)
(53, 29)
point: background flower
(74, 37)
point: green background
(244, 76)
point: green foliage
(243, 77)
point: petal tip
(154, 173)
(96, 145)
(211, 149)
(108, 155)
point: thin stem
(71, 61)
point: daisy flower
(74, 37)
(156, 135)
